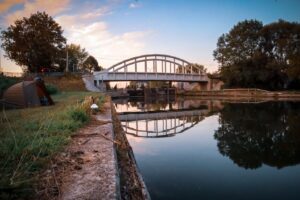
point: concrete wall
(211, 85)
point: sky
(114, 30)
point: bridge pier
(102, 86)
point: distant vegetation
(263, 56)
(37, 44)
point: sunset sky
(114, 30)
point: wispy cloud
(105, 10)
(7, 4)
(106, 47)
(134, 5)
(88, 28)
(30, 7)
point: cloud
(30, 7)
(105, 10)
(96, 38)
(7, 4)
(134, 5)
(88, 29)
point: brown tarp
(27, 94)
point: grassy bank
(29, 138)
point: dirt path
(87, 169)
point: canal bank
(98, 163)
(247, 93)
(131, 181)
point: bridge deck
(149, 76)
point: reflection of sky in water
(190, 166)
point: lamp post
(67, 58)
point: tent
(27, 94)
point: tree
(281, 45)
(34, 42)
(76, 57)
(91, 64)
(253, 55)
(196, 68)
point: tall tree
(34, 42)
(76, 56)
(253, 55)
(91, 64)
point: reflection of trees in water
(256, 134)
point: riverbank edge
(132, 185)
(256, 94)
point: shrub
(51, 89)
(79, 114)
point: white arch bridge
(152, 67)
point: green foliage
(78, 114)
(76, 56)
(34, 42)
(253, 55)
(91, 64)
(51, 89)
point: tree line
(262, 56)
(37, 44)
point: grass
(29, 138)
(66, 83)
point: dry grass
(66, 83)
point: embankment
(131, 181)
(256, 94)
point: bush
(79, 114)
(51, 89)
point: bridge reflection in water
(163, 119)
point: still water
(192, 149)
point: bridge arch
(176, 65)
(160, 67)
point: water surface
(192, 149)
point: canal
(201, 149)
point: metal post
(125, 69)
(135, 68)
(166, 65)
(67, 59)
(145, 65)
